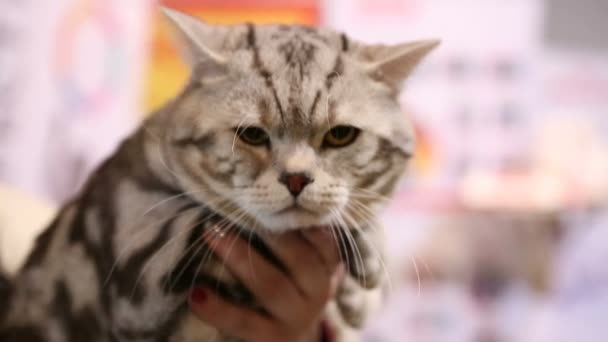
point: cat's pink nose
(295, 182)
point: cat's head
(289, 126)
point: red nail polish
(198, 295)
(327, 333)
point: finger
(326, 245)
(336, 280)
(274, 290)
(237, 321)
(303, 262)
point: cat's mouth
(295, 208)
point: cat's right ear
(392, 64)
(195, 39)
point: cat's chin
(293, 220)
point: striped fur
(117, 262)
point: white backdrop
(74, 71)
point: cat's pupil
(340, 136)
(342, 132)
(253, 135)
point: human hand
(295, 302)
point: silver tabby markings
(281, 127)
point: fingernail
(198, 295)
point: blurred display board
(485, 99)
(73, 85)
(577, 24)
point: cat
(280, 127)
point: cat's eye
(341, 136)
(253, 135)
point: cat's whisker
(369, 217)
(152, 134)
(369, 194)
(150, 261)
(367, 203)
(218, 229)
(375, 249)
(173, 240)
(365, 212)
(367, 198)
(369, 191)
(417, 275)
(429, 270)
(196, 247)
(152, 225)
(351, 245)
(361, 209)
(335, 224)
(133, 239)
(383, 265)
(219, 234)
(164, 163)
(220, 204)
(373, 225)
(249, 258)
(237, 130)
(196, 244)
(327, 106)
(355, 246)
(229, 250)
(346, 226)
(234, 220)
(235, 238)
(169, 199)
(336, 77)
(332, 229)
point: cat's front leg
(346, 314)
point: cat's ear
(195, 39)
(393, 64)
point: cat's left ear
(393, 64)
(196, 41)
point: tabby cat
(280, 127)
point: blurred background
(500, 232)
